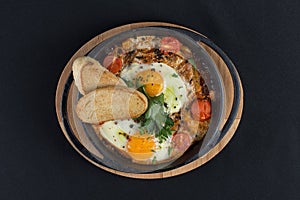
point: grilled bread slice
(111, 103)
(90, 75)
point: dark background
(261, 37)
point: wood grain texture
(183, 169)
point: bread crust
(89, 75)
(111, 103)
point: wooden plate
(84, 146)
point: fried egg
(124, 135)
(158, 78)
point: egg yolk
(152, 81)
(141, 147)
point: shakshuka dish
(146, 98)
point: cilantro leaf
(193, 63)
(128, 83)
(155, 120)
(174, 75)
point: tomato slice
(201, 109)
(170, 44)
(115, 66)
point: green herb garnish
(155, 120)
(154, 160)
(169, 150)
(128, 83)
(174, 75)
(192, 62)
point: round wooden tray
(229, 83)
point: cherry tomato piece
(170, 44)
(201, 109)
(115, 66)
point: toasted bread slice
(90, 75)
(111, 103)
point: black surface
(261, 37)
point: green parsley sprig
(155, 120)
